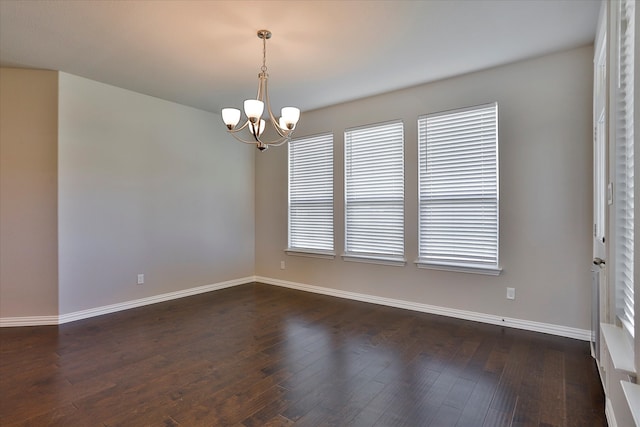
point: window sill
(619, 348)
(374, 259)
(310, 253)
(490, 271)
(632, 394)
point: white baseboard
(84, 314)
(608, 412)
(6, 322)
(92, 312)
(548, 328)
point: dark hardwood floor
(258, 355)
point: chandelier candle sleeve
(254, 109)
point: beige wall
(545, 194)
(147, 186)
(28, 193)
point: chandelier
(254, 109)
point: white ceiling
(206, 53)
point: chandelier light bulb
(230, 117)
(253, 108)
(290, 117)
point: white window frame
(623, 212)
(440, 244)
(310, 196)
(374, 193)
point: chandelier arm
(275, 142)
(254, 129)
(244, 140)
(238, 129)
(262, 79)
(245, 125)
(274, 121)
(280, 131)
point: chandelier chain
(264, 55)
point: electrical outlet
(281, 265)
(140, 279)
(511, 293)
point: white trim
(375, 259)
(112, 308)
(608, 412)
(84, 314)
(548, 328)
(620, 348)
(632, 394)
(564, 331)
(310, 253)
(475, 269)
(6, 322)
(600, 372)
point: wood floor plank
(505, 398)
(257, 355)
(62, 416)
(553, 402)
(477, 406)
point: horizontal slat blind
(624, 173)
(458, 188)
(374, 190)
(311, 193)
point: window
(374, 193)
(624, 174)
(311, 194)
(458, 190)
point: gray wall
(147, 186)
(545, 194)
(28, 193)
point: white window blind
(458, 189)
(624, 164)
(374, 191)
(311, 193)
